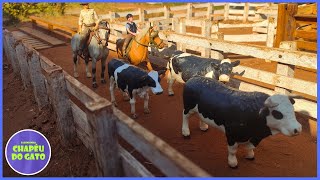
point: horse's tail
(118, 48)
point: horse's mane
(142, 33)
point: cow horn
(268, 103)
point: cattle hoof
(204, 130)
(186, 137)
(76, 75)
(94, 85)
(234, 167)
(250, 159)
(171, 94)
(134, 116)
(147, 111)
(103, 81)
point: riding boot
(125, 45)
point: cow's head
(224, 69)
(153, 81)
(280, 116)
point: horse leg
(86, 59)
(75, 65)
(94, 82)
(103, 68)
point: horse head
(154, 38)
(103, 32)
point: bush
(21, 11)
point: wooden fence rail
(95, 122)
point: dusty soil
(275, 156)
(20, 111)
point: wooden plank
(199, 14)
(105, 142)
(37, 80)
(178, 8)
(312, 46)
(42, 47)
(312, 35)
(241, 12)
(303, 59)
(82, 126)
(310, 16)
(246, 38)
(154, 10)
(302, 106)
(281, 24)
(89, 98)
(220, 11)
(60, 101)
(202, 5)
(291, 83)
(9, 41)
(67, 29)
(132, 167)
(22, 56)
(51, 40)
(260, 30)
(163, 156)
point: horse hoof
(171, 94)
(94, 85)
(103, 81)
(147, 111)
(186, 137)
(76, 75)
(89, 75)
(250, 159)
(234, 167)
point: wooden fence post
(210, 11)
(217, 54)
(285, 69)
(166, 12)
(189, 11)
(286, 23)
(105, 141)
(226, 11)
(141, 15)
(22, 59)
(270, 31)
(206, 32)
(182, 30)
(10, 51)
(245, 12)
(112, 15)
(59, 98)
(37, 79)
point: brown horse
(138, 47)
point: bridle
(151, 43)
(97, 34)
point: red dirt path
(275, 156)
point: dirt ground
(275, 156)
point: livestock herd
(245, 117)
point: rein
(97, 36)
(151, 43)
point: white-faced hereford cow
(183, 66)
(244, 117)
(133, 81)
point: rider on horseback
(88, 22)
(132, 29)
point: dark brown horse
(138, 47)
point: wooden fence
(212, 11)
(84, 114)
(299, 26)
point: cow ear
(235, 63)
(215, 65)
(292, 100)
(264, 112)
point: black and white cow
(133, 81)
(183, 66)
(244, 117)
